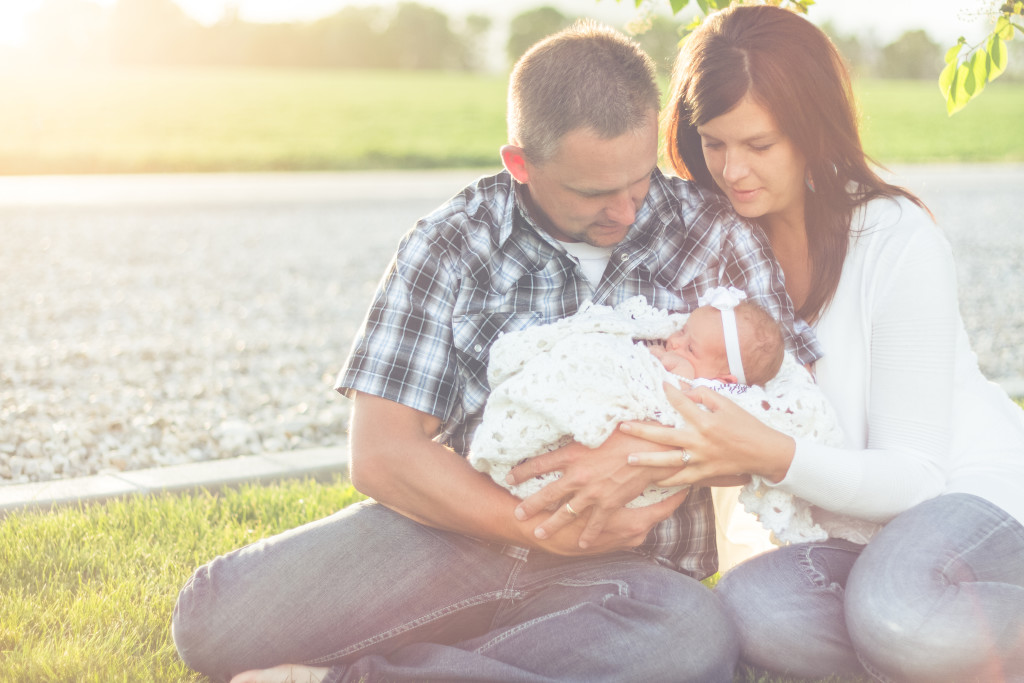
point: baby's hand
(673, 362)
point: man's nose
(622, 209)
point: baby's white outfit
(579, 377)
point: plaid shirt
(479, 266)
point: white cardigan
(919, 417)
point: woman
(761, 109)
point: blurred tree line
(406, 35)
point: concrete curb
(212, 475)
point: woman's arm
(907, 296)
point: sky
(885, 20)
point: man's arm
(395, 461)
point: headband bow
(725, 299)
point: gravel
(163, 320)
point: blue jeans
(373, 594)
(938, 595)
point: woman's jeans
(938, 595)
(373, 594)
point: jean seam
(410, 625)
(519, 628)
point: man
(446, 576)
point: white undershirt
(593, 260)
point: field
(175, 120)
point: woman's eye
(711, 145)
(762, 148)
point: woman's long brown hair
(791, 68)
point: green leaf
(997, 50)
(677, 5)
(946, 79)
(958, 97)
(954, 52)
(1004, 29)
(977, 73)
(703, 4)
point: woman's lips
(744, 195)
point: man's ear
(515, 162)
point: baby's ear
(728, 379)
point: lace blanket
(579, 377)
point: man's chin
(606, 237)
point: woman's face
(754, 163)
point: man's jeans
(938, 595)
(373, 594)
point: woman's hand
(595, 484)
(724, 440)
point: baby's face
(701, 343)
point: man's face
(591, 189)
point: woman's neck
(789, 244)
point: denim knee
(699, 642)
(788, 608)
(196, 646)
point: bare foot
(286, 673)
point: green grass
(219, 119)
(168, 120)
(87, 593)
(906, 121)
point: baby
(580, 377)
(700, 350)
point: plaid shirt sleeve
(404, 351)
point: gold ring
(568, 508)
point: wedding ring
(685, 457)
(568, 508)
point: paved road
(156, 320)
(362, 215)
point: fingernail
(540, 533)
(509, 479)
(520, 514)
(631, 459)
(584, 545)
(625, 427)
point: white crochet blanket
(579, 377)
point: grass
(906, 121)
(87, 593)
(219, 119)
(169, 120)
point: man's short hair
(585, 76)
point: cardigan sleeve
(908, 300)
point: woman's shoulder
(892, 220)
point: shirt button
(478, 348)
(624, 257)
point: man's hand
(623, 529)
(596, 484)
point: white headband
(725, 299)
